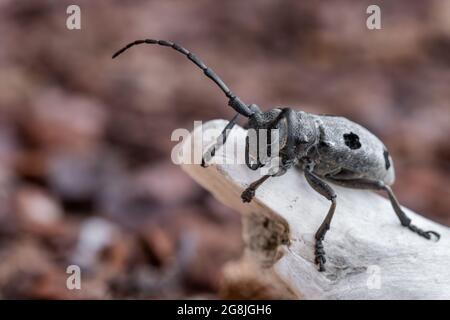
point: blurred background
(85, 170)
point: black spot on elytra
(352, 140)
(387, 163)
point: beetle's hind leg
(324, 189)
(221, 139)
(405, 221)
(380, 185)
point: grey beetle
(326, 148)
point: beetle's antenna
(233, 102)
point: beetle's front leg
(221, 139)
(289, 115)
(324, 189)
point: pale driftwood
(369, 254)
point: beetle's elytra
(326, 148)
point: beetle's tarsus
(248, 195)
(207, 156)
(319, 253)
(204, 164)
(434, 233)
(205, 161)
(425, 234)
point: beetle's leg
(324, 189)
(221, 139)
(249, 193)
(250, 165)
(289, 115)
(380, 185)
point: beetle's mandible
(327, 149)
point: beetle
(327, 148)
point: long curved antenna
(233, 102)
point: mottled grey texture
(367, 161)
(336, 146)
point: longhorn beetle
(326, 148)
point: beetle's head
(261, 120)
(261, 136)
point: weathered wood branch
(369, 254)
